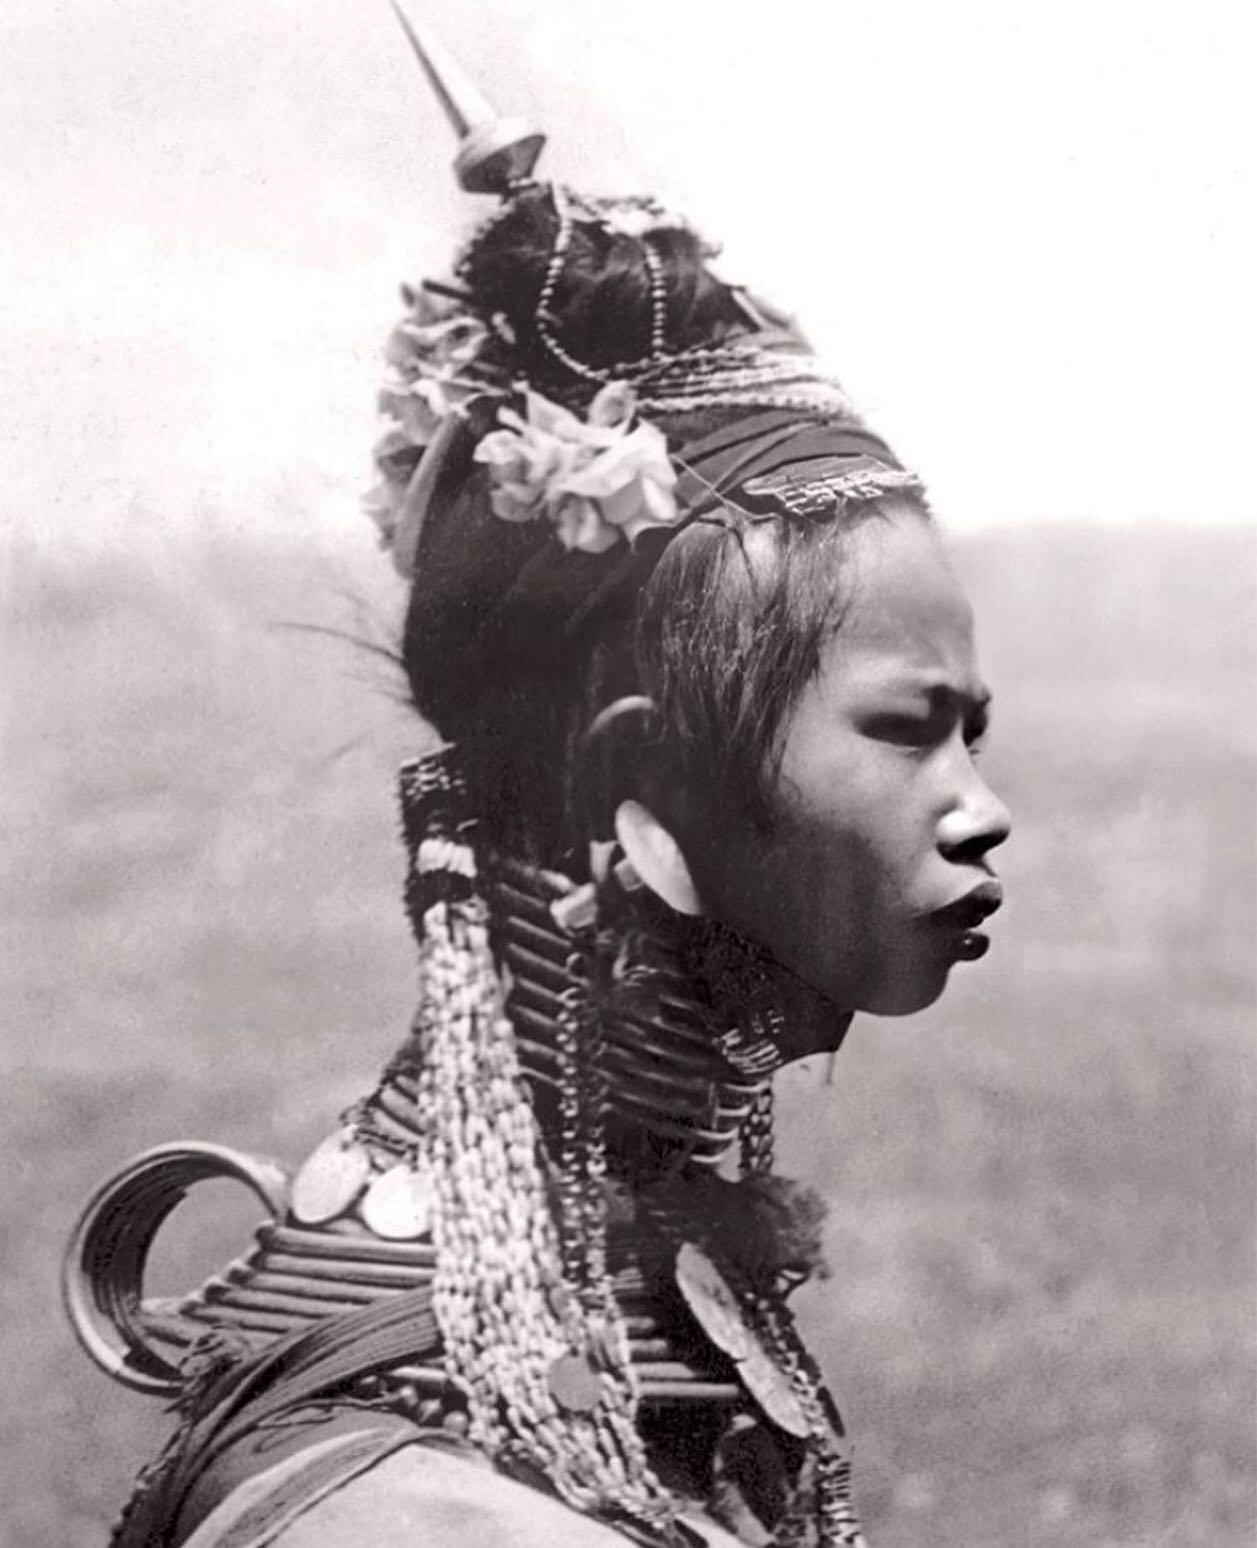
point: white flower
(432, 371)
(433, 368)
(595, 480)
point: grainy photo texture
(627, 767)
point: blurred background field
(1040, 1319)
(1041, 1315)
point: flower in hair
(432, 355)
(434, 367)
(597, 480)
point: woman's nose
(978, 822)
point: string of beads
(785, 375)
(532, 1332)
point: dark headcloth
(493, 597)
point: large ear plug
(656, 857)
(613, 761)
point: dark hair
(722, 633)
(731, 627)
(603, 295)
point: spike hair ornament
(524, 1291)
(553, 1227)
(452, 362)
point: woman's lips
(969, 911)
(971, 945)
(961, 920)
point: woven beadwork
(437, 831)
(823, 487)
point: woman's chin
(819, 1007)
(908, 994)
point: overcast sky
(1023, 233)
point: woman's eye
(906, 730)
(975, 737)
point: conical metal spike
(465, 105)
(493, 151)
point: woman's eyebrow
(942, 693)
(975, 697)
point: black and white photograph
(628, 774)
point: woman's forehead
(906, 610)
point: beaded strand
(830, 1507)
(756, 1140)
(533, 1337)
(505, 1275)
(658, 300)
(544, 317)
(700, 377)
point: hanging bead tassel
(545, 1380)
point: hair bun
(602, 303)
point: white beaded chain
(505, 1313)
(706, 376)
(658, 301)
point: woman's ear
(613, 760)
(656, 857)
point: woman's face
(877, 874)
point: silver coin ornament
(574, 1384)
(331, 1178)
(398, 1203)
(719, 1313)
(773, 1390)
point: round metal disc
(574, 1384)
(718, 1312)
(771, 1388)
(715, 1307)
(330, 1180)
(398, 1204)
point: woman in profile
(707, 706)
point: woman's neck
(672, 1098)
